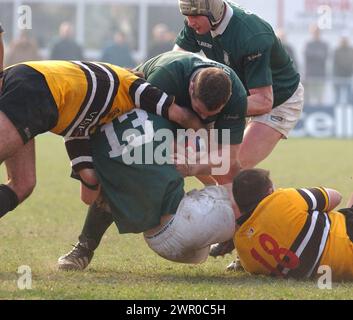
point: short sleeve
(257, 62)
(316, 198)
(150, 98)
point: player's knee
(29, 187)
(25, 188)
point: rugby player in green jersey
(246, 43)
(213, 91)
(148, 196)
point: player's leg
(10, 139)
(264, 132)
(259, 141)
(21, 171)
(12, 147)
(97, 222)
(26, 110)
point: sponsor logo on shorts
(277, 119)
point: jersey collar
(225, 22)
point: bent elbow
(268, 104)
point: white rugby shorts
(203, 218)
(285, 117)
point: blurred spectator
(162, 40)
(23, 48)
(288, 47)
(343, 71)
(118, 53)
(66, 48)
(316, 54)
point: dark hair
(250, 187)
(212, 87)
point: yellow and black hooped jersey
(90, 94)
(290, 235)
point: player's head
(250, 187)
(202, 15)
(209, 91)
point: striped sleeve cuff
(150, 99)
(316, 198)
(79, 151)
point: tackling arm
(222, 164)
(79, 151)
(184, 117)
(260, 101)
(90, 187)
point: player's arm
(258, 75)
(207, 180)
(154, 100)
(321, 199)
(79, 151)
(233, 122)
(260, 101)
(184, 117)
(222, 164)
(234, 167)
(1, 55)
(334, 197)
(90, 187)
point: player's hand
(90, 188)
(88, 176)
(181, 164)
(89, 196)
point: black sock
(8, 200)
(96, 224)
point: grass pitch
(43, 228)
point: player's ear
(271, 189)
(191, 88)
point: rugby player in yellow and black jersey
(70, 99)
(291, 232)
